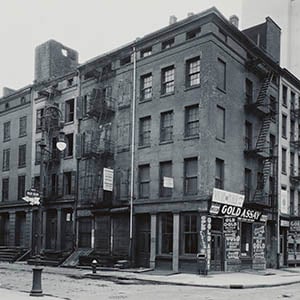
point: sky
(91, 27)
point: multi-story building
(15, 136)
(172, 147)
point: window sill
(4, 141)
(22, 166)
(166, 142)
(284, 172)
(22, 135)
(145, 100)
(220, 140)
(187, 88)
(221, 90)
(69, 123)
(144, 146)
(284, 137)
(5, 170)
(194, 137)
(284, 105)
(68, 157)
(167, 94)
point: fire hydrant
(94, 266)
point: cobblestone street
(72, 287)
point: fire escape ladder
(260, 101)
(259, 195)
(262, 136)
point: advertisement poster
(232, 239)
(259, 237)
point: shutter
(79, 107)
(73, 183)
(78, 146)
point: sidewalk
(14, 295)
(244, 279)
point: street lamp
(52, 115)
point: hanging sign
(108, 179)
(284, 202)
(224, 197)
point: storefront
(240, 241)
(293, 243)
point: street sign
(32, 196)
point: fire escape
(295, 145)
(265, 110)
(96, 143)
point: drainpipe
(77, 173)
(132, 157)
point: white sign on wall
(224, 197)
(284, 202)
(108, 179)
(168, 182)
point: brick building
(172, 148)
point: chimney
(172, 20)
(190, 14)
(234, 20)
(7, 91)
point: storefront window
(246, 239)
(166, 233)
(190, 236)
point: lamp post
(51, 112)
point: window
(6, 131)
(248, 136)
(190, 234)
(37, 153)
(165, 170)
(69, 111)
(23, 100)
(283, 161)
(167, 80)
(85, 105)
(67, 183)
(221, 73)
(166, 233)
(69, 142)
(284, 95)
(7, 105)
(144, 181)
(283, 127)
(249, 91)
(166, 126)
(146, 86)
(39, 119)
(193, 72)
(190, 176)
(22, 156)
(21, 186)
(193, 33)
(192, 121)
(167, 44)
(220, 121)
(247, 185)
(5, 189)
(273, 108)
(22, 126)
(222, 35)
(272, 139)
(219, 177)
(246, 239)
(292, 164)
(292, 202)
(145, 131)
(36, 182)
(260, 180)
(293, 98)
(54, 184)
(146, 52)
(6, 159)
(298, 205)
(125, 60)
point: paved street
(68, 286)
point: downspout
(132, 157)
(77, 172)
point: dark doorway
(85, 233)
(217, 245)
(143, 240)
(67, 230)
(4, 229)
(51, 230)
(20, 229)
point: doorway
(20, 229)
(143, 240)
(216, 258)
